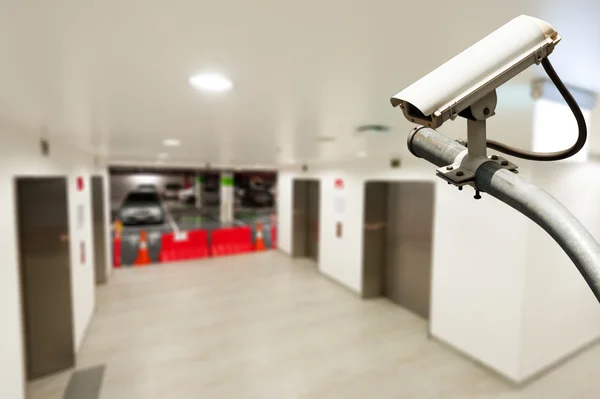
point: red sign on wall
(79, 183)
(339, 183)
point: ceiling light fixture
(361, 154)
(172, 142)
(211, 82)
(163, 155)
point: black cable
(550, 156)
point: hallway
(266, 326)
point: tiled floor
(266, 326)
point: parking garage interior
(186, 200)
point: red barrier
(184, 245)
(232, 240)
(117, 252)
(273, 236)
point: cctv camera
(477, 72)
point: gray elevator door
(299, 218)
(45, 271)
(99, 227)
(305, 205)
(374, 237)
(312, 249)
(407, 272)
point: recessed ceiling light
(172, 142)
(163, 155)
(212, 82)
(361, 154)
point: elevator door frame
(99, 229)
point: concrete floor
(266, 326)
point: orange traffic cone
(143, 257)
(260, 242)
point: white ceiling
(112, 74)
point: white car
(142, 207)
(187, 195)
(172, 191)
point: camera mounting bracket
(462, 171)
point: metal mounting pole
(528, 199)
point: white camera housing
(476, 72)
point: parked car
(147, 187)
(210, 197)
(172, 190)
(255, 192)
(142, 207)
(256, 197)
(187, 195)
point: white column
(198, 190)
(227, 197)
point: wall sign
(180, 236)
(339, 204)
(80, 183)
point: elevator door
(99, 227)
(312, 249)
(374, 237)
(45, 273)
(407, 271)
(305, 205)
(299, 218)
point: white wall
(102, 170)
(20, 156)
(560, 313)
(284, 210)
(477, 287)
(594, 131)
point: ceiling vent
(325, 139)
(373, 129)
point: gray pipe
(531, 201)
